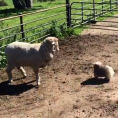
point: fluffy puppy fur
(105, 71)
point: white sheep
(105, 71)
(36, 56)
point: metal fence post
(102, 7)
(94, 14)
(21, 25)
(82, 11)
(116, 3)
(110, 5)
(68, 13)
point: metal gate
(89, 11)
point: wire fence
(30, 27)
(34, 26)
(89, 11)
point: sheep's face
(54, 43)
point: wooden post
(68, 13)
(22, 27)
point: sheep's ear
(47, 41)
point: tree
(22, 4)
(28, 3)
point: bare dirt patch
(62, 94)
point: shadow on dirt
(93, 81)
(6, 89)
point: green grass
(8, 11)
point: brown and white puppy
(101, 70)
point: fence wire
(31, 26)
(34, 26)
(85, 11)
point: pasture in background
(57, 18)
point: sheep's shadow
(94, 81)
(6, 89)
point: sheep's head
(52, 43)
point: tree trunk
(22, 4)
(28, 3)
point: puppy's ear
(96, 66)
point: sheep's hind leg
(37, 76)
(9, 72)
(22, 71)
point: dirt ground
(68, 89)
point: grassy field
(10, 11)
(33, 23)
(39, 24)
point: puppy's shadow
(6, 89)
(94, 81)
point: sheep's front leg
(22, 71)
(9, 72)
(37, 76)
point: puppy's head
(97, 65)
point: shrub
(3, 60)
(66, 31)
(60, 30)
(54, 29)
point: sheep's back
(22, 52)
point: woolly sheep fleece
(36, 56)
